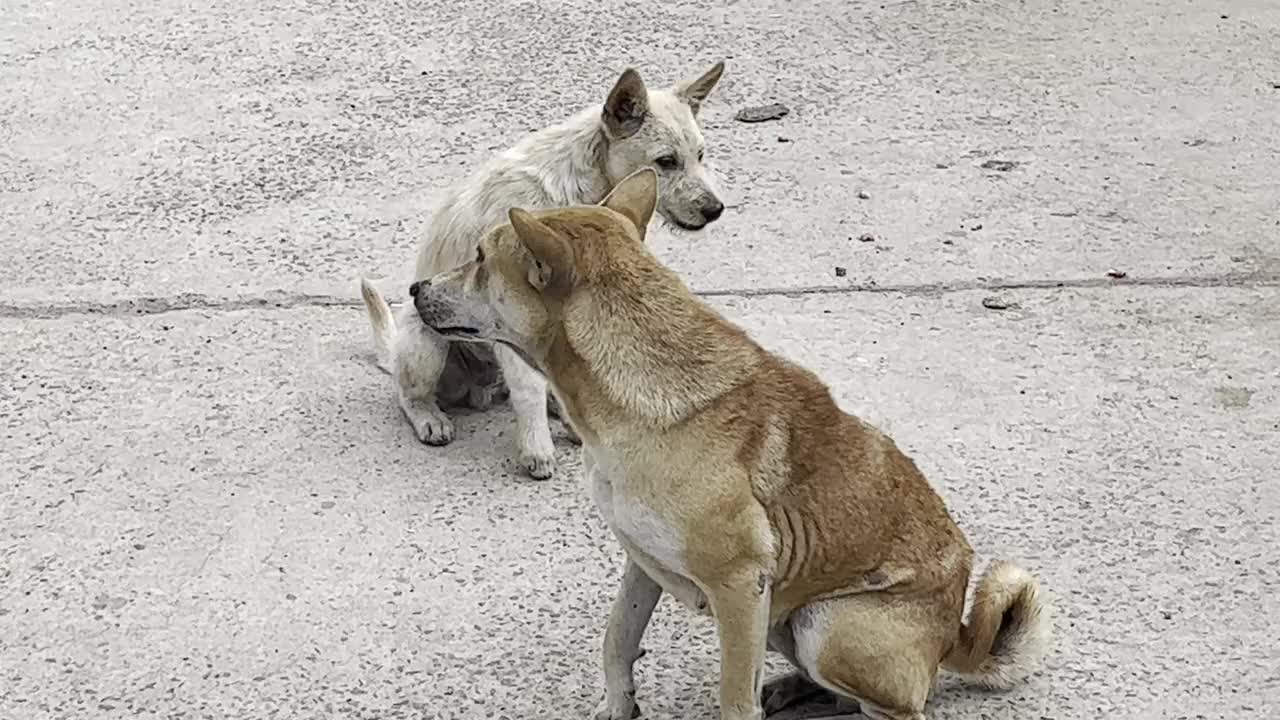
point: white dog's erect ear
(627, 105)
(694, 92)
(635, 198)
(551, 258)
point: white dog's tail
(1008, 630)
(384, 323)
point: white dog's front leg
(529, 401)
(632, 608)
(418, 360)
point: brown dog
(733, 480)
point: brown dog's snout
(414, 288)
(711, 207)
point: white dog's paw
(436, 430)
(539, 466)
(537, 452)
(430, 423)
(622, 708)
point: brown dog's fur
(733, 480)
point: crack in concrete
(281, 300)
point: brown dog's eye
(667, 162)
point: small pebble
(1117, 274)
(762, 113)
(866, 237)
(999, 165)
(995, 303)
(864, 195)
(841, 272)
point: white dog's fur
(576, 162)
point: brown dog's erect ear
(635, 198)
(694, 92)
(552, 258)
(627, 105)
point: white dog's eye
(699, 156)
(667, 162)
(479, 256)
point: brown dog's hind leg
(794, 688)
(880, 650)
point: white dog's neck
(566, 160)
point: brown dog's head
(659, 129)
(514, 291)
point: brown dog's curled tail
(1008, 632)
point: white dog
(576, 162)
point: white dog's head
(659, 129)
(516, 289)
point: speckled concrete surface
(155, 148)
(222, 515)
(218, 512)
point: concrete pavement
(211, 507)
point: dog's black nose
(414, 288)
(711, 209)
